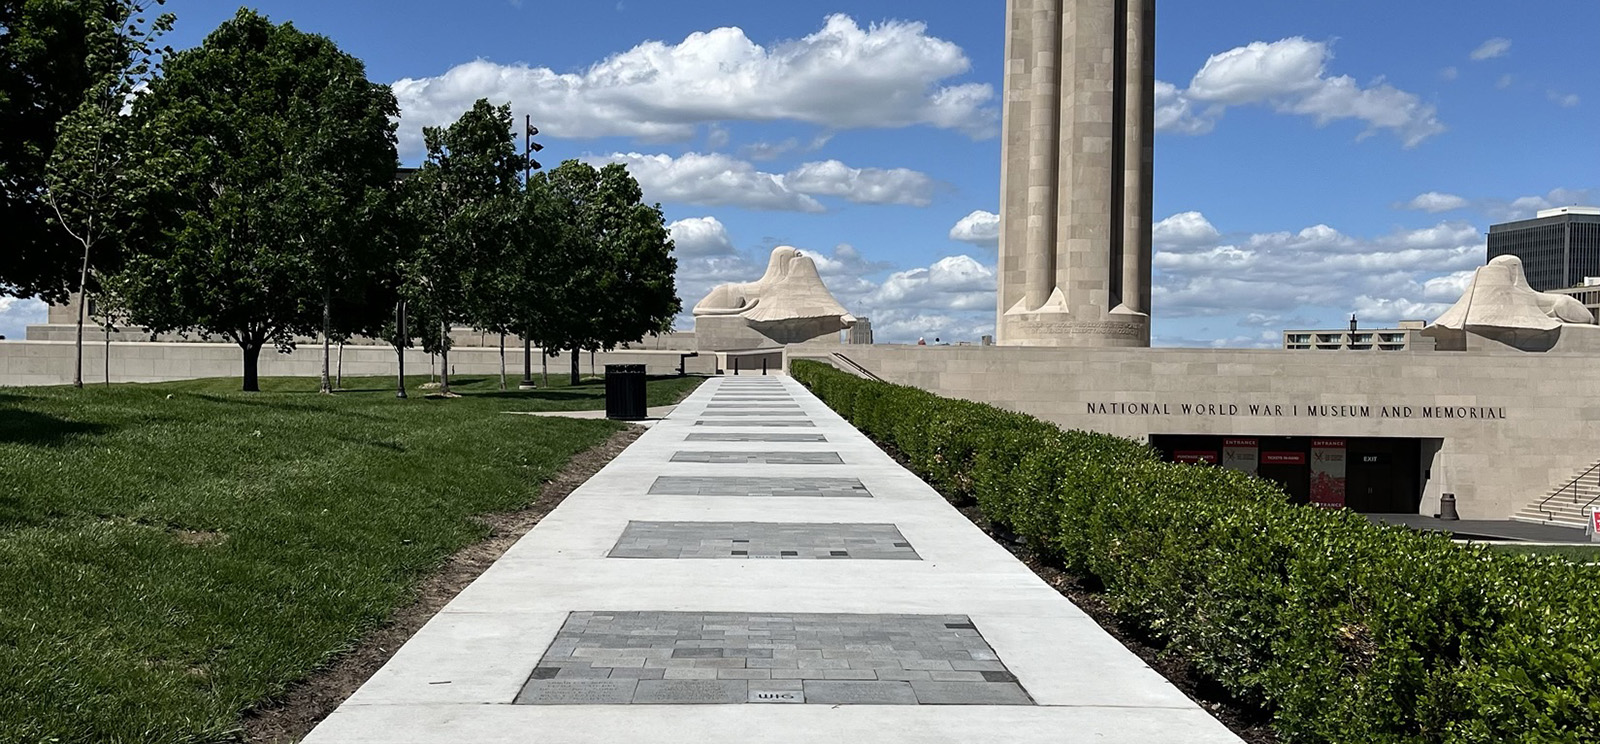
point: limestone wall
(25, 363)
(1512, 426)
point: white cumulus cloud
(981, 228)
(1492, 48)
(843, 76)
(700, 237)
(17, 314)
(1185, 229)
(1564, 100)
(863, 185)
(711, 180)
(716, 179)
(1435, 202)
(1405, 274)
(1290, 75)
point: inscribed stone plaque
(743, 540)
(754, 436)
(859, 692)
(692, 691)
(969, 693)
(776, 696)
(577, 692)
(664, 657)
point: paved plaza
(720, 581)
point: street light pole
(529, 147)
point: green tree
(52, 53)
(99, 166)
(465, 200)
(271, 213)
(612, 262)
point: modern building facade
(1405, 338)
(1559, 247)
(1075, 211)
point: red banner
(1283, 458)
(1208, 458)
(1327, 473)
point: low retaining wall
(26, 363)
(1509, 427)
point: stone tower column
(1076, 159)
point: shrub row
(1345, 630)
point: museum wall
(1513, 426)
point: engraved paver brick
(831, 692)
(787, 540)
(775, 412)
(675, 485)
(729, 657)
(760, 458)
(795, 423)
(754, 436)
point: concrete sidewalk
(881, 613)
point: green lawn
(1575, 553)
(171, 554)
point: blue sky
(1315, 158)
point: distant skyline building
(1558, 247)
(860, 333)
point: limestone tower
(1075, 173)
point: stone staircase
(1564, 506)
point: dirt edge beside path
(309, 701)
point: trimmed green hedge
(1345, 630)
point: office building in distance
(1559, 247)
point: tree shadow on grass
(285, 406)
(555, 394)
(30, 428)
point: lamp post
(529, 166)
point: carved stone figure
(789, 304)
(1500, 306)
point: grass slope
(171, 554)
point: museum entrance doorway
(1374, 475)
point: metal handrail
(1573, 484)
(860, 370)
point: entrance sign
(1241, 454)
(1327, 473)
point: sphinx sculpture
(789, 304)
(1499, 306)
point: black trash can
(625, 392)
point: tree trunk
(108, 353)
(339, 378)
(83, 309)
(400, 347)
(527, 361)
(444, 359)
(575, 368)
(544, 367)
(327, 325)
(252, 360)
(502, 362)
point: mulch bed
(308, 702)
